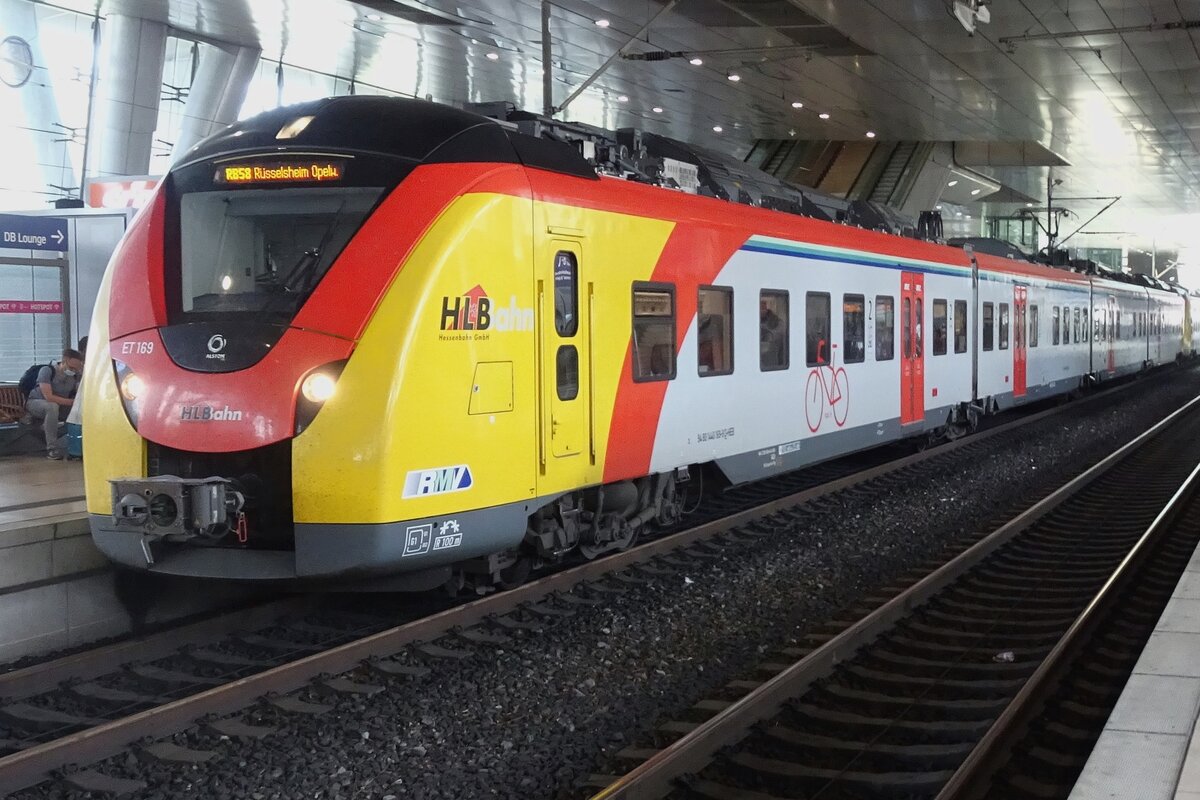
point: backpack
(29, 379)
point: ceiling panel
(1103, 101)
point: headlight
(315, 390)
(132, 387)
(318, 387)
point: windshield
(262, 251)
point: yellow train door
(565, 353)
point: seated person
(52, 397)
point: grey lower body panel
(329, 552)
(764, 462)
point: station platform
(56, 589)
(1150, 749)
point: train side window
(567, 366)
(989, 328)
(960, 325)
(773, 330)
(1066, 324)
(1004, 326)
(918, 337)
(653, 332)
(1086, 327)
(854, 328)
(885, 327)
(1075, 325)
(940, 325)
(566, 295)
(714, 322)
(816, 329)
(1117, 335)
(1055, 333)
(1033, 326)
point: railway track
(990, 677)
(81, 709)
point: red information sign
(31, 307)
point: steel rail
(30, 766)
(690, 753)
(988, 754)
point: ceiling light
(657, 109)
(733, 76)
(870, 134)
(952, 183)
(622, 98)
(601, 23)
(975, 192)
(493, 56)
(717, 129)
(1029, 205)
(695, 62)
(374, 17)
(797, 104)
(823, 115)
(939, 208)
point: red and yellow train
(381, 340)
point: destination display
(291, 171)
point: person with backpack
(52, 396)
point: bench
(17, 438)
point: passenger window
(567, 365)
(816, 329)
(1033, 326)
(714, 341)
(1066, 325)
(919, 339)
(960, 326)
(653, 332)
(1004, 326)
(1117, 335)
(772, 330)
(940, 325)
(1086, 327)
(885, 327)
(1055, 333)
(988, 326)
(854, 328)
(566, 296)
(1075, 325)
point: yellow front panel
(111, 447)
(402, 405)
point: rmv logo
(440, 480)
(473, 312)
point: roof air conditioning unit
(971, 12)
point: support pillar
(125, 111)
(217, 93)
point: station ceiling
(1120, 107)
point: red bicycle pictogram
(826, 384)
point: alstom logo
(440, 480)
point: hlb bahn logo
(439, 480)
(474, 312)
(209, 414)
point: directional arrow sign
(33, 233)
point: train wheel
(516, 573)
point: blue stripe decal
(864, 261)
(758, 248)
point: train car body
(364, 338)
